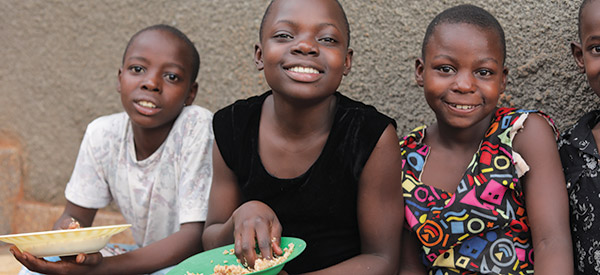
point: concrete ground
(8, 264)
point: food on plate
(259, 264)
(74, 224)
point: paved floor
(8, 264)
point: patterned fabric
(580, 160)
(481, 227)
(156, 194)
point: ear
(504, 80)
(348, 61)
(258, 57)
(577, 52)
(419, 68)
(119, 80)
(192, 95)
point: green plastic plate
(203, 263)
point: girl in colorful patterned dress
(482, 185)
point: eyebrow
(321, 25)
(170, 64)
(479, 60)
(593, 37)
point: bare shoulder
(384, 164)
(537, 132)
(388, 144)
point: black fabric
(581, 165)
(320, 205)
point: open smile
(304, 70)
(146, 104)
(146, 107)
(462, 107)
(303, 73)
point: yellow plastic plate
(64, 242)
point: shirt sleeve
(88, 186)
(196, 168)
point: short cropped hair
(179, 34)
(467, 14)
(268, 10)
(581, 7)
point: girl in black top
(303, 160)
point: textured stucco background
(59, 62)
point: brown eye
(136, 69)
(172, 77)
(484, 72)
(283, 36)
(596, 49)
(445, 69)
(328, 40)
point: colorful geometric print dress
(482, 227)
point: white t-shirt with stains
(156, 194)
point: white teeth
(463, 107)
(147, 104)
(303, 70)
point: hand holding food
(222, 260)
(68, 223)
(260, 264)
(255, 224)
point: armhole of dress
(520, 164)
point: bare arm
(166, 252)
(546, 198)
(380, 212)
(228, 221)
(409, 257)
(85, 216)
(224, 198)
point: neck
(467, 139)
(300, 119)
(147, 141)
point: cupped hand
(255, 223)
(80, 264)
(69, 223)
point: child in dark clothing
(579, 149)
(303, 160)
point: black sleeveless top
(319, 206)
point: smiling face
(303, 49)
(587, 54)
(155, 79)
(462, 74)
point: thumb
(88, 259)
(276, 245)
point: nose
(306, 46)
(464, 82)
(152, 82)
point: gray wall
(60, 60)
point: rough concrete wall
(60, 60)
(11, 179)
